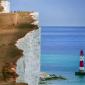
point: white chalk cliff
(28, 66)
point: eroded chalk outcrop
(13, 26)
(28, 66)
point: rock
(21, 84)
(54, 77)
(13, 84)
(45, 77)
(61, 77)
(9, 72)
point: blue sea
(60, 53)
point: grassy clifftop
(17, 18)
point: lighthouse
(81, 66)
(4, 6)
(81, 61)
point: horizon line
(59, 26)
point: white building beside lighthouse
(6, 6)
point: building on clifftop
(4, 6)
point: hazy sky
(54, 12)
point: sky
(54, 12)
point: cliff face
(28, 66)
(13, 26)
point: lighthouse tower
(4, 6)
(81, 61)
(81, 68)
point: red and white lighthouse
(81, 68)
(81, 61)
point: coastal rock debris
(45, 76)
(9, 71)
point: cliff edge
(13, 26)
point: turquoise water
(59, 66)
(60, 53)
